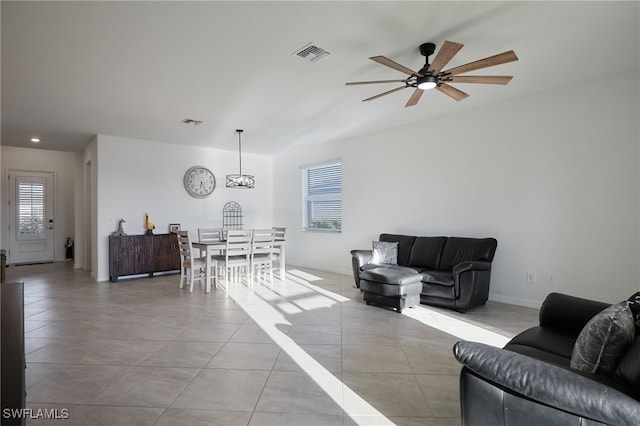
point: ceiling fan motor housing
(427, 49)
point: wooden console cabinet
(13, 361)
(142, 254)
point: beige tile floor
(306, 351)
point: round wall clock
(199, 182)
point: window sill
(322, 231)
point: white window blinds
(322, 197)
(30, 208)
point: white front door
(30, 217)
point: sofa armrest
(568, 313)
(548, 384)
(359, 258)
(470, 265)
(471, 283)
(362, 257)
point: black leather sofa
(455, 272)
(530, 382)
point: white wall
(136, 176)
(62, 164)
(87, 223)
(553, 176)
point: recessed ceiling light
(35, 140)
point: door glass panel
(30, 205)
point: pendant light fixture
(240, 181)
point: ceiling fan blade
(353, 83)
(501, 58)
(484, 79)
(451, 91)
(385, 93)
(393, 64)
(444, 55)
(415, 97)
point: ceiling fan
(431, 75)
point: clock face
(199, 182)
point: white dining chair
(262, 250)
(209, 235)
(236, 256)
(279, 233)
(278, 249)
(192, 267)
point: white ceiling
(71, 70)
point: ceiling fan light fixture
(427, 82)
(240, 181)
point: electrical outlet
(531, 276)
(551, 280)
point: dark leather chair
(529, 381)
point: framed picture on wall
(174, 227)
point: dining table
(211, 248)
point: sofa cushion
(426, 252)
(457, 250)
(539, 354)
(629, 367)
(405, 242)
(437, 290)
(604, 340)
(373, 266)
(436, 277)
(546, 339)
(391, 275)
(385, 252)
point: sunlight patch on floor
(456, 327)
(304, 275)
(270, 319)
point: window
(322, 198)
(30, 209)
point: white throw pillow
(385, 252)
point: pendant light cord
(240, 148)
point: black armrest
(549, 384)
(471, 265)
(568, 313)
(362, 256)
(359, 258)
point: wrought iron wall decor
(232, 216)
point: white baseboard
(515, 301)
(318, 267)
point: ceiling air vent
(191, 122)
(312, 53)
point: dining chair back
(192, 267)
(278, 252)
(237, 255)
(279, 233)
(209, 234)
(262, 249)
